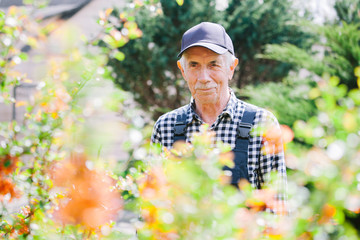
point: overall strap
(241, 146)
(180, 126)
(244, 127)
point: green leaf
(86, 75)
(2, 63)
(357, 71)
(119, 56)
(110, 41)
(28, 2)
(334, 81)
(180, 2)
(354, 94)
(49, 182)
(23, 56)
(339, 216)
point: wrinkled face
(207, 75)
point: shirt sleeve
(156, 136)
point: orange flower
(22, 227)
(287, 134)
(150, 215)
(6, 186)
(227, 159)
(262, 199)
(305, 236)
(273, 233)
(153, 184)
(58, 102)
(328, 212)
(166, 235)
(8, 164)
(224, 179)
(275, 138)
(90, 200)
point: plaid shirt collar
(229, 110)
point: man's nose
(204, 75)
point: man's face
(207, 75)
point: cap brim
(213, 47)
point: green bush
(348, 10)
(338, 55)
(288, 100)
(336, 51)
(179, 193)
(182, 195)
(150, 71)
(253, 24)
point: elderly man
(207, 64)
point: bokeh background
(82, 83)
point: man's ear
(181, 69)
(232, 67)
(234, 64)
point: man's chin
(206, 99)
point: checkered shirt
(225, 127)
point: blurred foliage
(289, 99)
(331, 168)
(183, 193)
(27, 147)
(71, 192)
(12, 25)
(45, 135)
(338, 55)
(253, 24)
(53, 138)
(186, 195)
(348, 10)
(150, 71)
(336, 52)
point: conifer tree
(150, 71)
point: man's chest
(224, 130)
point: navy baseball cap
(210, 35)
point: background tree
(288, 99)
(336, 52)
(337, 55)
(150, 70)
(323, 183)
(253, 24)
(348, 10)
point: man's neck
(209, 112)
